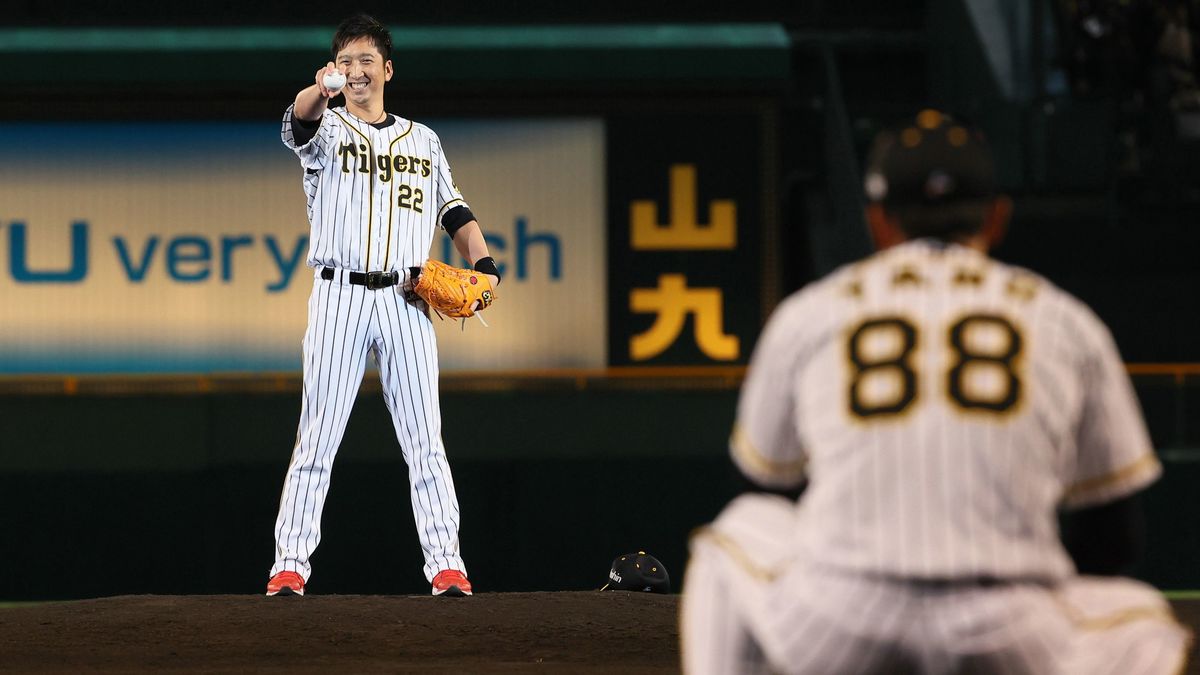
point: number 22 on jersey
(983, 375)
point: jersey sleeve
(448, 195)
(1115, 457)
(314, 154)
(765, 444)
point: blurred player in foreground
(937, 407)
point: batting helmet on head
(934, 173)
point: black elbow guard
(1107, 539)
(743, 484)
(455, 218)
(303, 131)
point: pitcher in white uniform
(378, 187)
(937, 407)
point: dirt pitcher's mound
(566, 632)
(578, 632)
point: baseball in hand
(334, 81)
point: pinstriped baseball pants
(749, 606)
(346, 323)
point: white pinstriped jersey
(394, 183)
(941, 405)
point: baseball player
(378, 186)
(937, 407)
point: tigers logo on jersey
(360, 156)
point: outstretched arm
(312, 101)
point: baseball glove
(452, 291)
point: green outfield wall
(178, 493)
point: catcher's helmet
(931, 170)
(638, 572)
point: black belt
(953, 583)
(372, 280)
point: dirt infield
(567, 632)
(583, 632)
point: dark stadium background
(558, 474)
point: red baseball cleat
(451, 583)
(287, 583)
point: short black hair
(934, 173)
(359, 26)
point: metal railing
(1179, 374)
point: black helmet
(934, 172)
(638, 572)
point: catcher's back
(945, 404)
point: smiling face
(366, 72)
